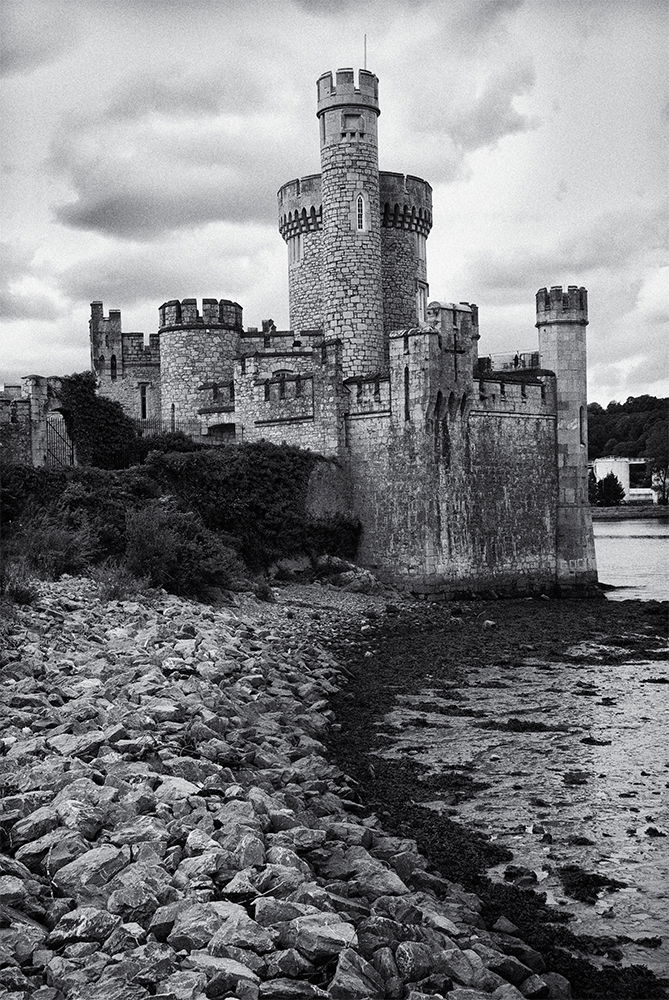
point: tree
(610, 491)
(657, 446)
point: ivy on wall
(103, 435)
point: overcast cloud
(144, 143)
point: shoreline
(243, 702)
(631, 513)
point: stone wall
(190, 358)
(305, 284)
(292, 398)
(15, 430)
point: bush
(16, 583)
(115, 581)
(256, 493)
(176, 551)
(50, 549)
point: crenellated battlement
(557, 306)
(343, 91)
(216, 313)
(406, 202)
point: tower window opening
(282, 387)
(113, 371)
(214, 393)
(360, 209)
(101, 363)
(266, 390)
(407, 412)
(143, 411)
(173, 413)
(298, 386)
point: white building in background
(621, 467)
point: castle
(465, 474)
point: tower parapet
(562, 317)
(221, 314)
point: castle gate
(59, 445)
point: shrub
(50, 549)
(176, 551)
(16, 583)
(115, 581)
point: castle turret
(352, 282)
(561, 321)
(197, 351)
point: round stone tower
(561, 321)
(352, 280)
(196, 348)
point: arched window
(112, 367)
(360, 212)
(143, 407)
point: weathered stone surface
(90, 873)
(318, 936)
(354, 978)
(86, 923)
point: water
(587, 787)
(634, 556)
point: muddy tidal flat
(541, 725)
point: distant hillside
(631, 429)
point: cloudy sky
(144, 141)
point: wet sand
(526, 733)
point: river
(634, 556)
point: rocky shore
(173, 824)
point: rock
(288, 962)
(182, 986)
(414, 960)
(89, 874)
(84, 924)
(35, 825)
(354, 978)
(195, 926)
(510, 969)
(558, 986)
(288, 989)
(535, 988)
(224, 974)
(240, 930)
(318, 936)
(13, 891)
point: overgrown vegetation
(102, 434)
(191, 520)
